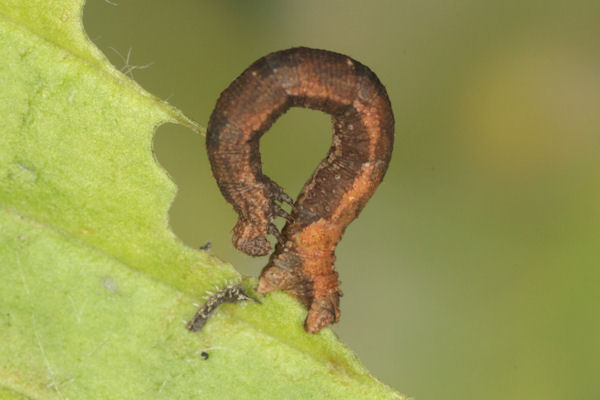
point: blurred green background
(473, 271)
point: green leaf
(95, 288)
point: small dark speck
(206, 247)
(109, 284)
(204, 355)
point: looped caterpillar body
(363, 135)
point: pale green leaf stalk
(94, 287)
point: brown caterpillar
(363, 135)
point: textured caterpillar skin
(363, 135)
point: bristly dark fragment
(230, 294)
